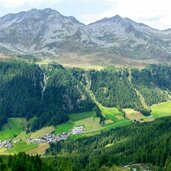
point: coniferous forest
(52, 91)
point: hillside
(45, 95)
(137, 147)
(128, 88)
(140, 146)
(48, 94)
(116, 40)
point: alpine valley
(83, 97)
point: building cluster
(50, 138)
(6, 143)
(78, 130)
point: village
(48, 138)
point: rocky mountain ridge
(47, 33)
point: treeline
(48, 94)
(148, 143)
(23, 162)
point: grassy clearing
(90, 124)
(45, 62)
(161, 110)
(111, 113)
(79, 116)
(22, 136)
(21, 147)
(42, 132)
(86, 67)
(40, 149)
(13, 127)
(142, 99)
(103, 128)
(65, 127)
(118, 124)
(88, 119)
(131, 114)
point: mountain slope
(39, 31)
(140, 146)
(48, 93)
(132, 40)
(47, 33)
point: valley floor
(15, 129)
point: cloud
(14, 4)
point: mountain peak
(115, 19)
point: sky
(155, 13)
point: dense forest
(51, 91)
(148, 143)
(125, 87)
(154, 83)
(23, 162)
(26, 90)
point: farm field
(21, 147)
(111, 113)
(42, 132)
(40, 149)
(88, 119)
(131, 114)
(13, 127)
(79, 116)
(91, 122)
(22, 136)
(65, 127)
(161, 110)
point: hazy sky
(155, 13)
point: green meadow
(110, 113)
(21, 147)
(161, 110)
(65, 127)
(13, 127)
(88, 119)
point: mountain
(47, 33)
